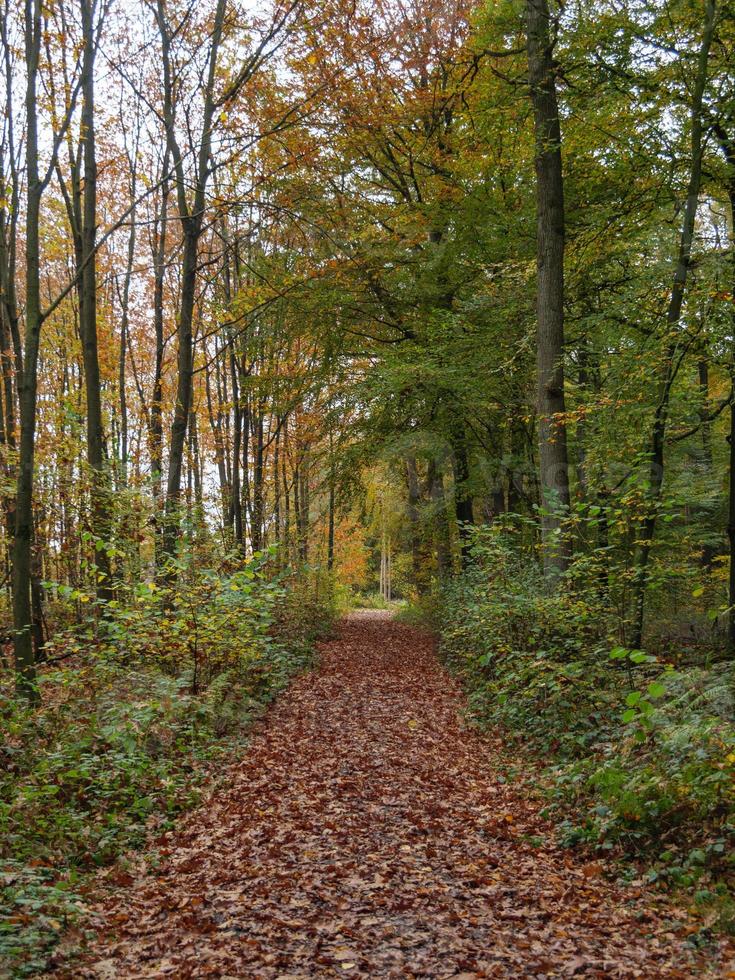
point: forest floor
(367, 831)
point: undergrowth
(638, 750)
(138, 702)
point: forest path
(366, 833)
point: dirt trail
(366, 833)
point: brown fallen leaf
(338, 844)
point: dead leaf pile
(364, 833)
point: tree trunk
(673, 315)
(286, 497)
(462, 495)
(256, 526)
(235, 491)
(100, 490)
(184, 384)
(124, 326)
(550, 231)
(25, 659)
(304, 505)
(412, 512)
(330, 528)
(439, 519)
(727, 145)
(191, 215)
(155, 433)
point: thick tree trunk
(550, 230)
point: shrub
(642, 755)
(137, 699)
(534, 663)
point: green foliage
(34, 907)
(170, 679)
(535, 663)
(668, 769)
(641, 752)
(370, 600)
(191, 619)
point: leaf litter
(367, 832)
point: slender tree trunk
(731, 474)
(124, 327)
(10, 211)
(215, 424)
(246, 506)
(196, 465)
(286, 497)
(184, 385)
(235, 503)
(256, 527)
(709, 551)
(704, 418)
(101, 523)
(550, 232)
(727, 145)
(412, 512)
(155, 434)
(8, 227)
(462, 496)
(439, 519)
(25, 659)
(673, 316)
(330, 516)
(304, 505)
(277, 483)
(191, 215)
(583, 377)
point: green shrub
(534, 663)
(639, 753)
(137, 700)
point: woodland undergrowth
(139, 701)
(635, 750)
